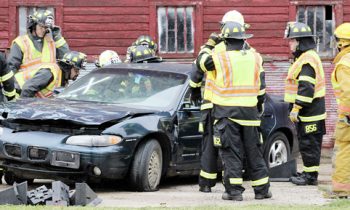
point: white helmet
(234, 16)
(108, 57)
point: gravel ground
(181, 192)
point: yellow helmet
(234, 16)
(342, 35)
(108, 57)
(343, 31)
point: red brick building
(182, 26)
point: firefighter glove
(294, 114)
(344, 119)
(196, 96)
(56, 31)
(213, 40)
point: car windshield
(137, 88)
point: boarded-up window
(321, 21)
(175, 29)
(23, 13)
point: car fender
(136, 130)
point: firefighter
(144, 40)
(234, 16)
(305, 91)
(107, 57)
(43, 43)
(341, 85)
(8, 88)
(143, 54)
(235, 97)
(209, 154)
(41, 82)
(133, 84)
(7, 81)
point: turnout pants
(209, 154)
(341, 170)
(237, 140)
(310, 143)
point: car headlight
(94, 140)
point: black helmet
(297, 30)
(42, 17)
(74, 59)
(146, 40)
(142, 53)
(234, 30)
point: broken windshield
(142, 88)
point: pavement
(183, 192)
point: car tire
(10, 178)
(277, 150)
(146, 169)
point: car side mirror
(188, 106)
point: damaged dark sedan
(125, 121)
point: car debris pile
(59, 195)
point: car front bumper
(42, 155)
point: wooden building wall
(267, 21)
(4, 24)
(93, 26)
(346, 11)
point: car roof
(183, 68)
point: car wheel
(10, 178)
(277, 150)
(146, 169)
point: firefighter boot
(205, 189)
(228, 196)
(259, 196)
(305, 179)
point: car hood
(78, 112)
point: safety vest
(237, 81)
(210, 78)
(23, 76)
(345, 60)
(291, 89)
(32, 58)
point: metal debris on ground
(39, 195)
(59, 195)
(84, 195)
(16, 195)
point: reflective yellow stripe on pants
(207, 175)
(311, 169)
(260, 181)
(236, 181)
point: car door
(189, 138)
